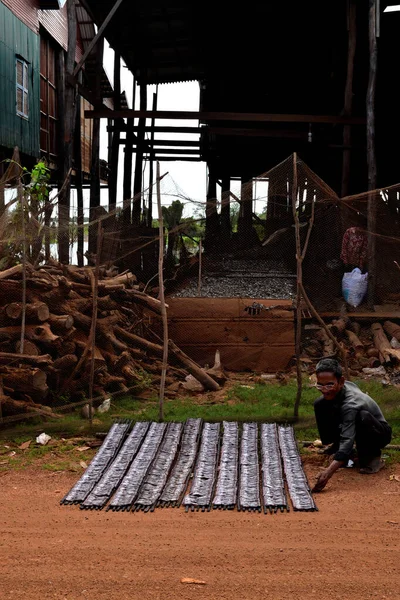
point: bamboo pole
(95, 285)
(298, 293)
(200, 267)
(300, 255)
(21, 197)
(161, 298)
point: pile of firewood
(57, 340)
(368, 346)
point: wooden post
(95, 158)
(200, 268)
(21, 199)
(78, 181)
(114, 156)
(348, 95)
(95, 285)
(225, 207)
(245, 222)
(68, 116)
(371, 154)
(150, 207)
(127, 186)
(298, 293)
(161, 297)
(137, 182)
(212, 229)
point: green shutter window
(22, 93)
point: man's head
(330, 378)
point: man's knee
(365, 418)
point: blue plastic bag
(354, 287)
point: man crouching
(345, 415)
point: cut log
(37, 361)
(29, 348)
(392, 329)
(11, 272)
(65, 363)
(11, 291)
(194, 369)
(338, 327)
(137, 341)
(382, 344)
(328, 347)
(59, 323)
(354, 341)
(82, 341)
(37, 311)
(373, 352)
(139, 298)
(355, 327)
(36, 333)
(13, 311)
(65, 347)
(9, 407)
(24, 379)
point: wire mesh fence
(244, 272)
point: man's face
(329, 385)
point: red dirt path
(349, 549)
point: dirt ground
(349, 549)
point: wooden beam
(183, 158)
(183, 143)
(223, 116)
(159, 151)
(97, 36)
(149, 129)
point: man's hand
(322, 480)
(326, 474)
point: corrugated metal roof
(26, 11)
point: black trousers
(371, 435)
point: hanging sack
(354, 287)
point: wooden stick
(161, 298)
(200, 265)
(299, 259)
(95, 286)
(21, 197)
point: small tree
(31, 206)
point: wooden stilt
(348, 96)
(137, 184)
(114, 157)
(150, 207)
(78, 182)
(95, 163)
(371, 153)
(127, 189)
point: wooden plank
(225, 308)
(188, 143)
(228, 331)
(223, 116)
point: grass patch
(258, 402)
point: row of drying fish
(153, 465)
